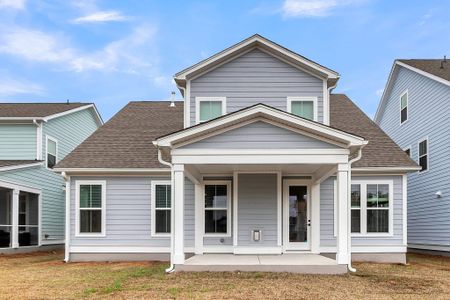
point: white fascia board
(348, 138)
(426, 74)
(182, 75)
(70, 111)
(15, 167)
(111, 170)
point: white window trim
(407, 106)
(153, 208)
(363, 207)
(47, 137)
(77, 208)
(428, 154)
(204, 99)
(291, 99)
(228, 209)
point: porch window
(404, 107)
(423, 155)
(91, 207)
(52, 150)
(356, 208)
(28, 219)
(161, 208)
(304, 107)
(209, 108)
(217, 204)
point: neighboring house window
(404, 107)
(161, 207)
(304, 107)
(91, 207)
(408, 151)
(423, 154)
(52, 152)
(209, 108)
(356, 208)
(217, 208)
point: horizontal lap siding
(257, 208)
(327, 237)
(256, 77)
(260, 135)
(428, 107)
(18, 141)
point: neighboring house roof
(430, 68)
(6, 165)
(125, 141)
(41, 111)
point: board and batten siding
(327, 223)
(18, 141)
(256, 77)
(260, 135)
(428, 117)
(129, 215)
(257, 209)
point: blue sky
(111, 52)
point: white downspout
(349, 240)
(67, 234)
(172, 219)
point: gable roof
(430, 68)
(125, 141)
(260, 42)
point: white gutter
(67, 229)
(172, 219)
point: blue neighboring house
(33, 138)
(414, 112)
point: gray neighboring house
(33, 138)
(414, 112)
(260, 168)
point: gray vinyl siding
(260, 135)
(428, 116)
(189, 214)
(256, 77)
(327, 238)
(257, 209)
(18, 141)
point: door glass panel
(298, 217)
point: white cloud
(11, 87)
(313, 8)
(12, 4)
(101, 17)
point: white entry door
(296, 215)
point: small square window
(303, 108)
(51, 152)
(404, 107)
(209, 108)
(423, 155)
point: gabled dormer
(256, 70)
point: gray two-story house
(261, 167)
(33, 138)
(414, 112)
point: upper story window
(423, 155)
(305, 107)
(404, 107)
(208, 108)
(52, 152)
(161, 207)
(91, 207)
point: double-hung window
(217, 208)
(304, 107)
(91, 204)
(378, 208)
(209, 108)
(52, 152)
(356, 208)
(423, 155)
(161, 207)
(404, 107)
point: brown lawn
(45, 276)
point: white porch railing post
(15, 219)
(178, 231)
(342, 255)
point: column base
(178, 259)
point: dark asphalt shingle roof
(125, 141)
(432, 66)
(9, 163)
(38, 110)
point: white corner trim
(235, 207)
(198, 101)
(15, 167)
(77, 208)
(312, 99)
(154, 183)
(39, 139)
(405, 208)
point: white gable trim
(21, 166)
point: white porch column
(315, 218)
(178, 215)
(15, 219)
(199, 220)
(342, 255)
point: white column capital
(343, 167)
(178, 168)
